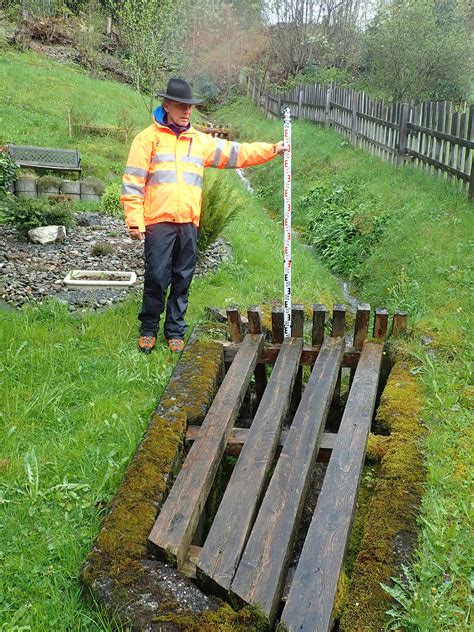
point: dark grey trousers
(170, 259)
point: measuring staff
(287, 224)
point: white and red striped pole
(287, 224)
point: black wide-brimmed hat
(179, 90)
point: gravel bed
(31, 272)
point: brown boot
(146, 344)
(176, 345)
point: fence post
(469, 136)
(355, 102)
(471, 181)
(300, 103)
(265, 104)
(279, 105)
(403, 137)
(327, 107)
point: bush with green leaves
(25, 214)
(110, 201)
(8, 171)
(48, 182)
(341, 225)
(94, 183)
(7, 201)
(220, 205)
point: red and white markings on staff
(287, 225)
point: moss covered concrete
(117, 571)
(391, 517)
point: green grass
(36, 95)
(76, 395)
(422, 262)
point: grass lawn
(405, 239)
(36, 95)
(76, 396)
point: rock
(47, 234)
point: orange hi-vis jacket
(164, 173)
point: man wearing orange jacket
(161, 196)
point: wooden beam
(313, 589)
(174, 528)
(260, 576)
(235, 324)
(319, 318)
(309, 354)
(238, 437)
(361, 329)
(277, 324)
(234, 519)
(399, 323)
(380, 323)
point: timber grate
(246, 553)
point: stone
(47, 234)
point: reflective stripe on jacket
(164, 174)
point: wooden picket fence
(434, 135)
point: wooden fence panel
(435, 138)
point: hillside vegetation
(404, 239)
(37, 94)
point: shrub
(110, 200)
(342, 227)
(220, 206)
(8, 172)
(102, 248)
(27, 214)
(48, 182)
(7, 201)
(95, 183)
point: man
(161, 196)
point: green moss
(364, 496)
(341, 595)
(377, 447)
(48, 182)
(391, 511)
(225, 619)
(122, 542)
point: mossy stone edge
(391, 516)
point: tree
(224, 37)
(420, 49)
(152, 32)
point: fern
(220, 205)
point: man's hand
(280, 148)
(135, 233)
